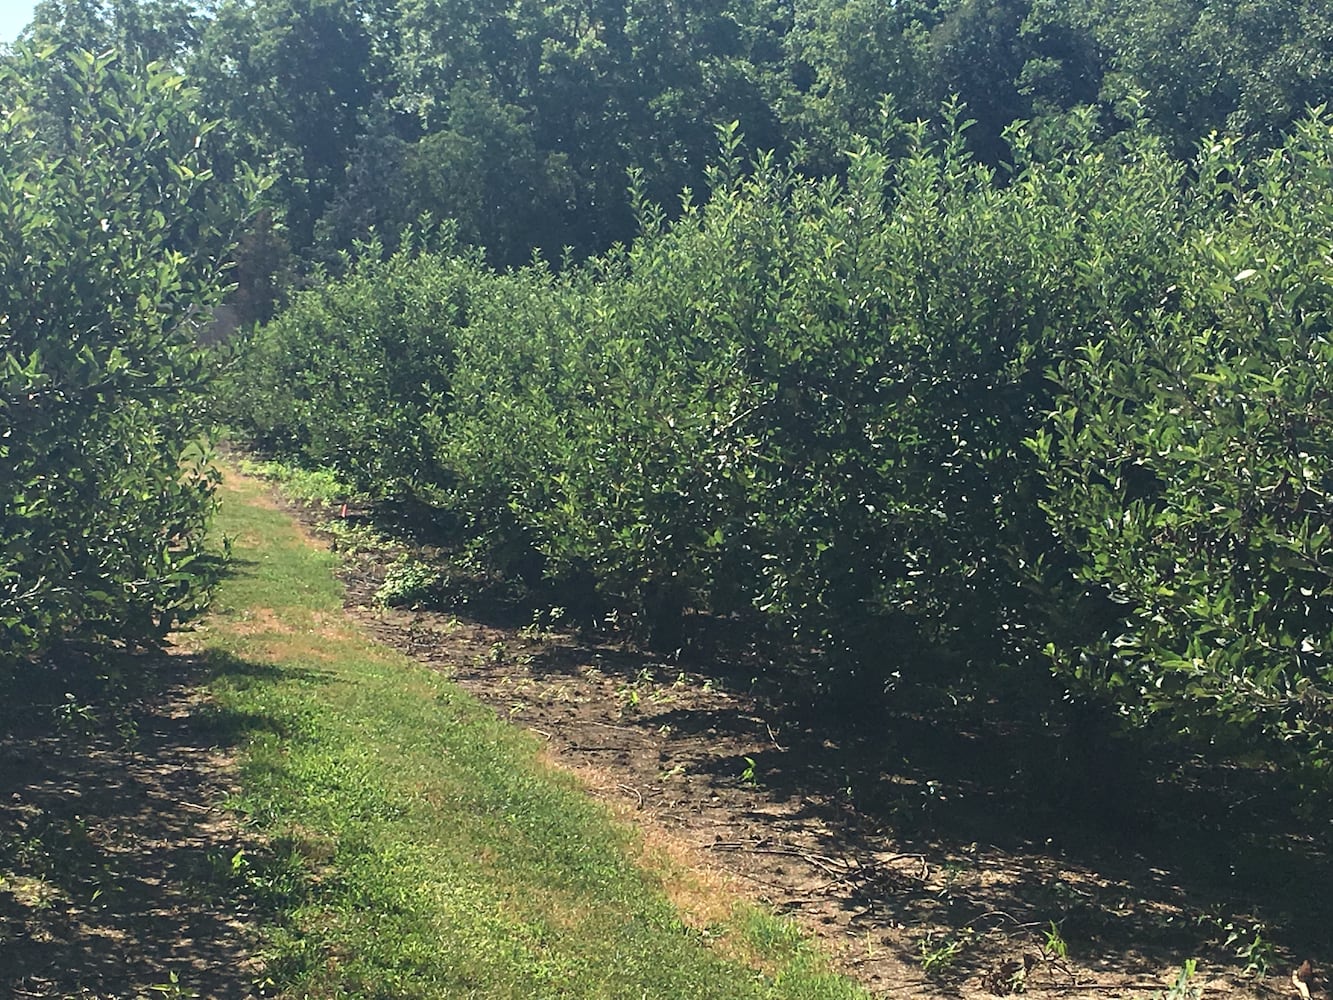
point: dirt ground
(929, 854)
(117, 843)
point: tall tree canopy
(520, 121)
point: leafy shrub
(112, 230)
(900, 337)
(409, 583)
(344, 376)
(937, 422)
(1190, 456)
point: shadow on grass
(120, 865)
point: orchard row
(938, 423)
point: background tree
(292, 80)
(1195, 66)
(152, 30)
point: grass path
(417, 847)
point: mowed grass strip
(416, 845)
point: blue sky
(14, 17)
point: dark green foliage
(1191, 459)
(519, 121)
(151, 30)
(931, 420)
(291, 80)
(111, 240)
(881, 390)
(711, 417)
(1192, 66)
(348, 374)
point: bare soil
(115, 843)
(932, 854)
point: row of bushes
(937, 422)
(111, 240)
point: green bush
(898, 343)
(937, 422)
(346, 375)
(112, 237)
(1190, 457)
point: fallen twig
(622, 729)
(820, 861)
(756, 879)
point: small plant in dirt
(1184, 988)
(409, 584)
(631, 694)
(939, 952)
(128, 731)
(172, 989)
(351, 538)
(1251, 945)
(1054, 947)
(544, 623)
(629, 697)
(747, 775)
(1248, 942)
(226, 868)
(1013, 974)
(71, 716)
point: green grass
(317, 485)
(417, 846)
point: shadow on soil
(1178, 857)
(120, 864)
